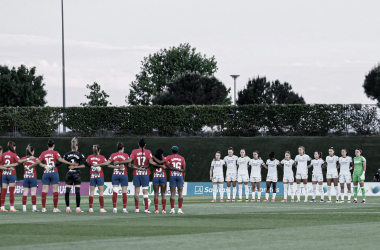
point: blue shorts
(176, 181)
(141, 180)
(99, 181)
(50, 178)
(120, 179)
(30, 183)
(160, 181)
(9, 179)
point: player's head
(50, 143)
(317, 155)
(331, 151)
(230, 151)
(96, 149)
(358, 152)
(142, 145)
(29, 150)
(344, 152)
(175, 150)
(242, 152)
(301, 150)
(255, 154)
(271, 156)
(120, 147)
(217, 155)
(287, 155)
(159, 154)
(12, 146)
(74, 144)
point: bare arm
(211, 170)
(67, 162)
(184, 172)
(309, 166)
(103, 164)
(76, 167)
(123, 162)
(280, 165)
(364, 166)
(158, 161)
(265, 166)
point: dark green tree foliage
(193, 89)
(96, 96)
(372, 84)
(21, 87)
(163, 67)
(260, 91)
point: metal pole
(234, 77)
(63, 63)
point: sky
(322, 48)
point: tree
(96, 97)
(363, 119)
(163, 67)
(21, 87)
(372, 84)
(260, 91)
(194, 89)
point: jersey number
(141, 160)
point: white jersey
(345, 164)
(331, 164)
(317, 166)
(288, 167)
(272, 167)
(302, 163)
(231, 164)
(218, 167)
(243, 165)
(256, 167)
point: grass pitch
(204, 225)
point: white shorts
(243, 178)
(217, 178)
(271, 178)
(317, 177)
(231, 177)
(331, 176)
(255, 179)
(345, 178)
(288, 179)
(301, 176)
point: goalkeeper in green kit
(360, 166)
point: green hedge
(244, 120)
(199, 151)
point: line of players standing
(140, 161)
(237, 171)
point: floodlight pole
(63, 64)
(234, 77)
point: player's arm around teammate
(332, 173)
(30, 179)
(345, 163)
(272, 177)
(360, 166)
(216, 176)
(288, 179)
(256, 164)
(317, 178)
(159, 180)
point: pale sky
(322, 48)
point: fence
(243, 120)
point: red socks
(101, 201)
(34, 200)
(91, 200)
(24, 200)
(12, 196)
(163, 204)
(125, 200)
(55, 199)
(156, 204)
(172, 204)
(3, 195)
(180, 204)
(146, 204)
(114, 199)
(137, 204)
(43, 199)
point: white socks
(246, 191)
(214, 187)
(240, 191)
(298, 191)
(329, 192)
(34, 207)
(234, 193)
(228, 193)
(221, 191)
(291, 192)
(24, 207)
(314, 190)
(273, 196)
(337, 193)
(258, 194)
(322, 192)
(306, 192)
(266, 196)
(349, 196)
(285, 191)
